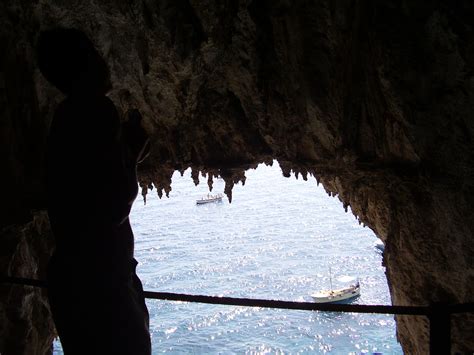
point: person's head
(69, 61)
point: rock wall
(26, 326)
(374, 99)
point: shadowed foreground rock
(373, 99)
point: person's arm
(117, 152)
(134, 138)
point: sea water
(278, 239)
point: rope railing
(303, 306)
(438, 314)
(255, 302)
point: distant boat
(379, 245)
(338, 295)
(210, 198)
(333, 296)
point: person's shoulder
(106, 108)
(106, 104)
(83, 104)
(108, 101)
(64, 105)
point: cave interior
(374, 100)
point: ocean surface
(278, 239)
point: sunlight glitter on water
(276, 240)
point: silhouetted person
(95, 296)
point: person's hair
(69, 61)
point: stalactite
(304, 174)
(144, 191)
(195, 176)
(210, 181)
(285, 168)
(229, 185)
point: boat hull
(202, 202)
(337, 296)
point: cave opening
(276, 240)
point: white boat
(342, 294)
(338, 295)
(210, 198)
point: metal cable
(255, 302)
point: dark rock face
(26, 326)
(372, 98)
